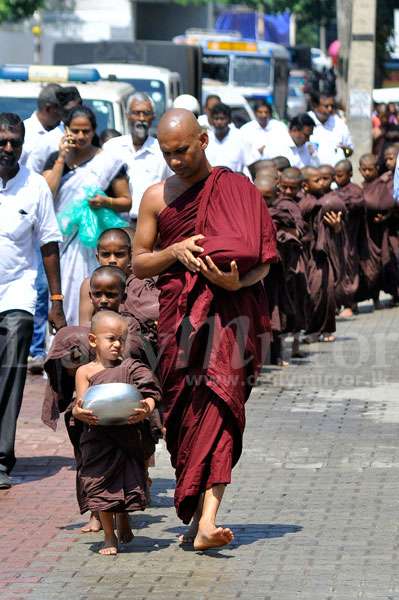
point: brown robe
(295, 302)
(112, 473)
(319, 266)
(142, 305)
(378, 196)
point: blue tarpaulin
(277, 27)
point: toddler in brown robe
(113, 467)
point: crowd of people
(220, 241)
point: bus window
(215, 67)
(251, 72)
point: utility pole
(361, 75)
(344, 26)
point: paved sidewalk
(313, 504)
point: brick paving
(313, 504)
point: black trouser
(16, 328)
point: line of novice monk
(337, 247)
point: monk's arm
(85, 305)
(146, 261)
(254, 275)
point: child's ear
(92, 340)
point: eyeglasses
(138, 113)
(14, 143)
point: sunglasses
(14, 143)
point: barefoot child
(113, 468)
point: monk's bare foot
(282, 363)
(110, 546)
(94, 524)
(327, 338)
(125, 534)
(189, 536)
(209, 536)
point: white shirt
(27, 219)
(328, 137)
(256, 136)
(230, 152)
(46, 145)
(299, 156)
(145, 166)
(34, 130)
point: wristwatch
(54, 297)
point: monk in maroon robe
(382, 224)
(216, 239)
(357, 244)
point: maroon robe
(319, 266)
(142, 305)
(112, 474)
(295, 299)
(210, 339)
(378, 196)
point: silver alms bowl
(112, 403)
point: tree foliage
(15, 10)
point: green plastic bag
(87, 221)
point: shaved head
(281, 163)
(178, 119)
(369, 158)
(308, 172)
(106, 318)
(183, 145)
(292, 174)
(327, 169)
(344, 165)
(115, 234)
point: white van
(107, 99)
(162, 85)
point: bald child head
(343, 173)
(266, 183)
(326, 173)
(290, 182)
(281, 163)
(390, 157)
(107, 288)
(368, 167)
(106, 320)
(114, 248)
(312, 182)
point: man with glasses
(331, 138)
(27, 219)
(140, 150)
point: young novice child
(113, 458)
(141, 303)
(290, 226)
(113, 249)
(319, 268)
(382, 224)
(357, 251)
(326, 173)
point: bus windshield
(250, 71)
(215, 67)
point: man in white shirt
(44, 119)
(331, 137)
(226, 147)
(140, 151)
(68, 98)
(261, 134)
(26, 218)
(210, 102)
(294, 144)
